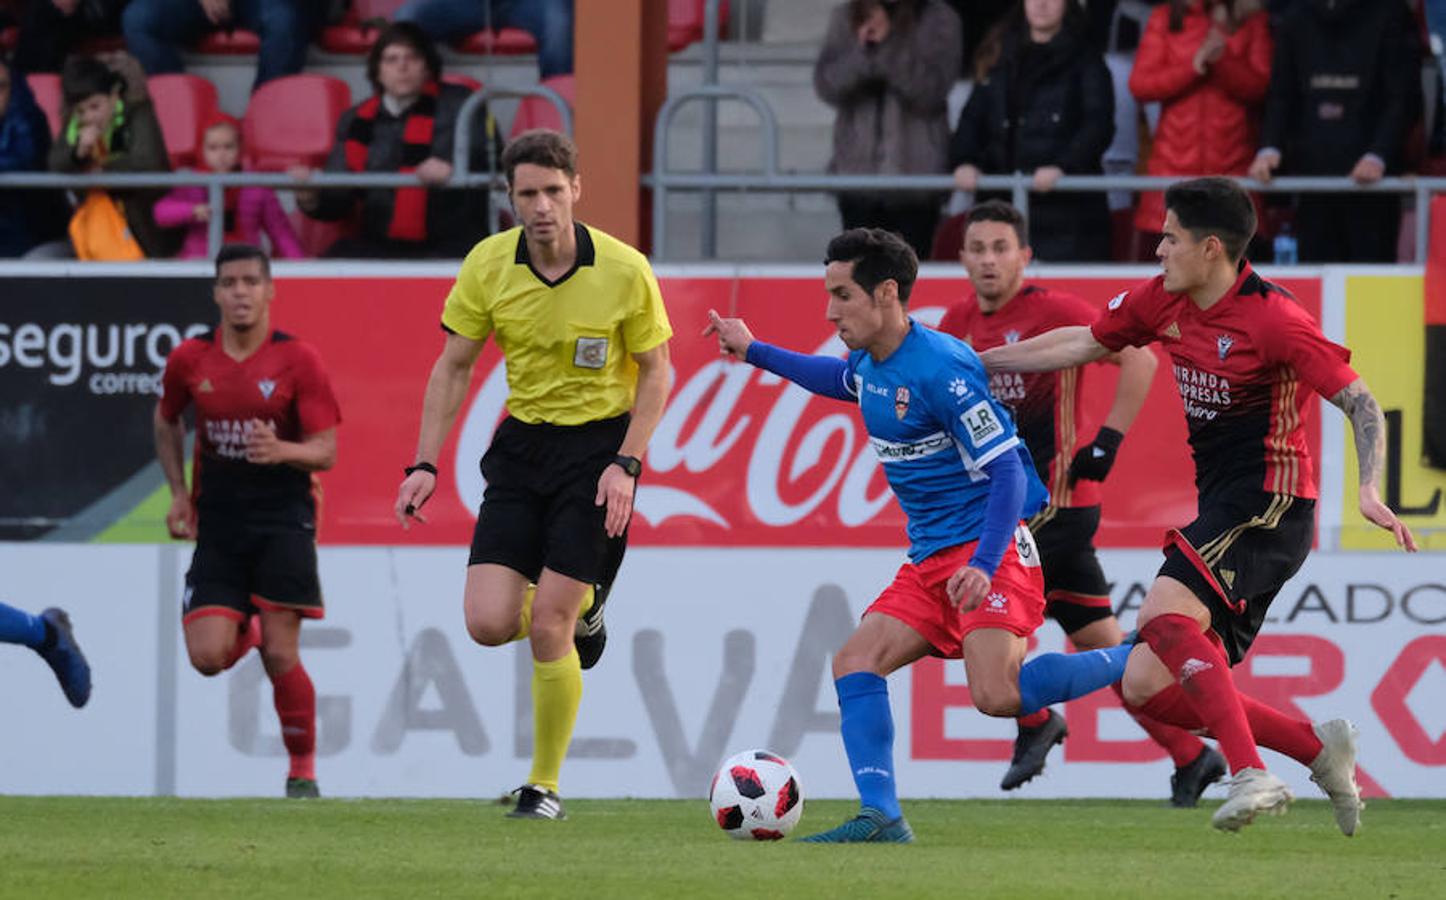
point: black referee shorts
(539, 511)
(1075, 588)
(1237, 556)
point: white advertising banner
(710, 652)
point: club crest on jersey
(1011, 337)
(901, 402)
(267, 386)
(960, 388)
(1223, 343)
(1118, 300)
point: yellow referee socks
(556, 693)
(524, 621)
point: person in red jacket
(1207, 62)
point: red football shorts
(1015, 601)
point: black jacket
(1041, 105)
(1345, 81)
(456, 219)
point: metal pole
(216, 225)
(1021, 195)
(710, 128)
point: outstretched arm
(1368, 426)
(826, 376)
(1060, 348)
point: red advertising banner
(741, 458)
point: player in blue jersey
(972, 585)
(49, 635)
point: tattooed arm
(1368, 426)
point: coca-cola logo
(738, 450)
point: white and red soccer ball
(756, 796)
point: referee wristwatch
(630, 464)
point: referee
(580, 320)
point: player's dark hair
(239, 252)
(540, 147)
(414, 37)
(1214, 206)
(999, 211)
(878, 256)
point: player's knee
(208, 662)
(849, 660)
(1136, 690)
(995, 699)
(491, 631)
(279, 659)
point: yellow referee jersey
(569, 342)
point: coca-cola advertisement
(741, 457)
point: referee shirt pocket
(588, 346)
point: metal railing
(216, 183)
(772, 179)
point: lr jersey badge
(901, 402)
(591, 353)
(267, 387)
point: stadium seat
(316, 236)
(948, 238)
(466, 81)
(358, 30)
(503, 42)
(685, 22)
(229, 43)
(46, 88)
(183, 103)
(9, 37)
(536, 112)
(292, 120)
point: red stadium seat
(505, 42)
(316, 236)
(183, 103)
(9, 37)
(46, 88)
(357, 31)
(229, 43)
(535, 112)
(948, 238)
(685, 22)
(292, 120)
(466, 81)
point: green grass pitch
(211, 849)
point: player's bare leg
(217, 642)
(294, 697)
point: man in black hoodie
(1344, 91)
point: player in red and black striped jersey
(1246, 358)
(1049, 412)
(266, 422)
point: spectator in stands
(108, 125)
(27, 218)
(1044, 104)
(548, 21)
(1344, 92)
(157, 30)
(248, 211)
(887, 66)
(408, 125)
(1207, 62)
(50, 28)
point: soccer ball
(756, 796)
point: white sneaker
(1252, 792)
(1334, 771)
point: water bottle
(1285, 247)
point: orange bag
(99, 232)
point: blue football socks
(867, 725)
(19, 627)
(1057, 677)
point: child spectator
(248, 210)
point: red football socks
(1274, 729)
(1205, 681)
(296, 707)
(248, 636)
(1182, 746)
(1034, 719)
